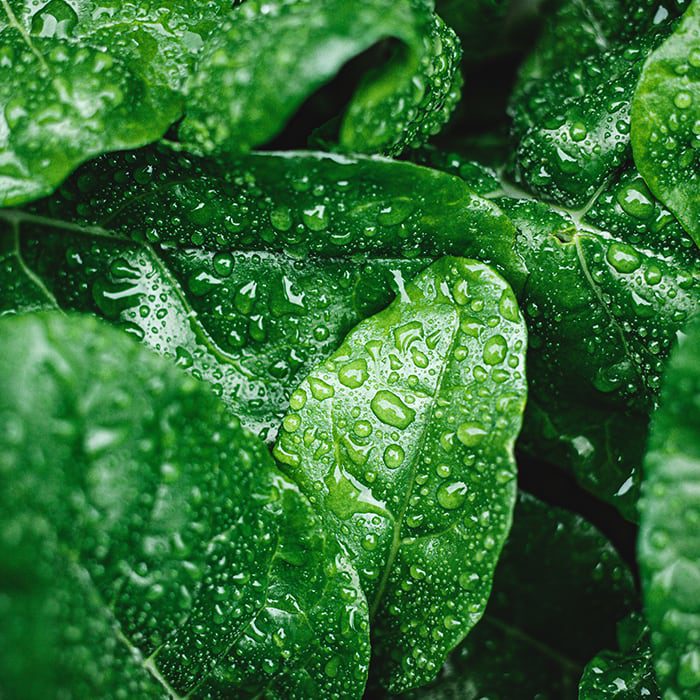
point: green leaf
(627, 674)
(558, 590)
(149, 545)
(571, 108)
(271, 56)
(79, 79)
(603, 310)
(250, 275)
(666, 122)
(404, 439)
(669, 538)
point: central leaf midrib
(398, 521)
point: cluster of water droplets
(404, 437)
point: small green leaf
(669, 538)
(666, 122)
(271, 56)
(627, 674)
(404, 439)
(149, 546)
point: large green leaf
(404, 439)
(627, 674)
(669, 538)
(81, 78)
(666, 122)
(571, 107)
(149, 547)
(272, 56)
(247, 276)
(603, 313)
(558, 590)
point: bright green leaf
(404, 438)
(666, 122)
(149, 542)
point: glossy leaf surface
(78, 79)
(149, 545)
(404, 438)
(666, 122)
(571, 108)
(248, 276)
(271, 56)
(669, 542)
(627, 674)
(558, 590)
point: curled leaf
(272, 56)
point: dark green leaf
(248, 277)
(608, 289)
(666, 122)
(571, 108)
(603, 311)
(271, 56)
(669, 538)
(149, 547)
(627, 674)
(558, 590)
(404, 437)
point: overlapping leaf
(149, 545)
(404, 440)
(248, 276)
(80, 79)
(571, 107)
